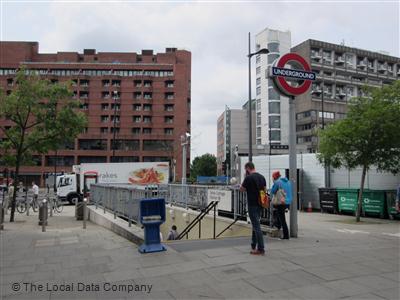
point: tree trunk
(359, 206)
(16, 175)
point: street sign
(279, 147)
(301, 73)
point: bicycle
(57, 205)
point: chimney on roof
(89, 51)
(169, 50)
(147, 52)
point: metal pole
(215, 215)
(184, 162)
(293, 166)
(249, 108)
(84, 212)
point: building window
(275, 135)
(84, 82)
(104, 119)
(104, 130)
(106, 83)
(274, 122)
(116, 129)
(169, 96)
(146, 130)
(169, 107)
(258, 70)
(136, 130)
(105, 95)
(147, 96)
(273, 94)
(147, 107)
(147, 83)
(168, 131)
(137, 95)
(258, 90)
(340, 116)
(127, 145)
(258, 132)
(258, 105)
(258, 81)
(272, 58)
(84, 106)
(116, 106)
(92, 144)
(258, 123)
(137, 119)
(125, 159)
(104, 106)
(59, 160)
(92, 159)
(116, 83)
(327, 115)
(169, 84)
(146, 119)
(137, 107)
(258, 58)
(117, 119)
(274, 107)
(169, 119)
(161, 145)
(83, 95)
(137, 83)
(273, 47)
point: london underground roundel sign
(300, 72)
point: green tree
(368, 136)
(205, 165)
(39, 116)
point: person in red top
(252, 184)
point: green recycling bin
(373, 202)
(347, 200)
(391, 204)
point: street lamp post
(185, 139)
(261, 51)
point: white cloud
(215, 33)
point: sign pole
(293, 166)
(305, 76)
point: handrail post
(199, 229)
(215, 213)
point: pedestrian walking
(397, 205)
(281, 193)
(35, 190)
(173, 233)
(253, 184)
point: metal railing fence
(123, 200)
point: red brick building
(145, 97)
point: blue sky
(215, 33)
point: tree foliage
(368, 136)
(205, 165)
(39, 116)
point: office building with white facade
(272, 109)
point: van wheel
(72, 198)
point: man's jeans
(257, 239)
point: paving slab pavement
(333, 258)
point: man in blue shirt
(286, 186)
